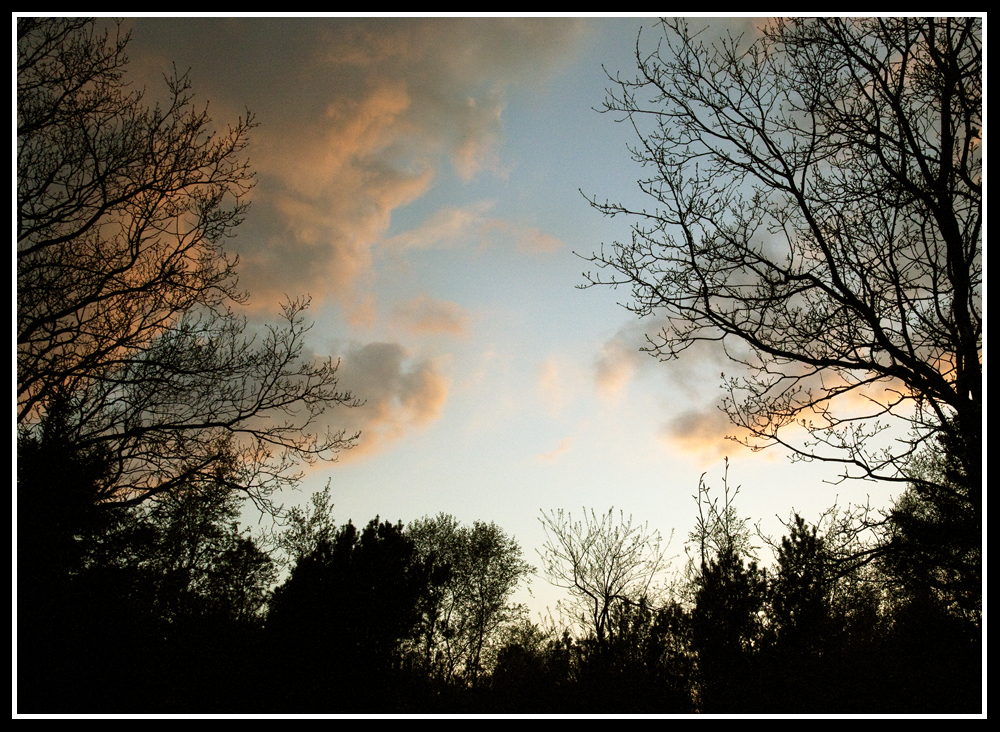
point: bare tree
(122, 209)
(719, 530)
(817, 209)
(125, 294)
(601, 562)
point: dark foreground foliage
(170, 608)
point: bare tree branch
(125, 294)
(601, 563)
(818, 210)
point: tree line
(172, 607)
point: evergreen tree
(726, 631)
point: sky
(425, 182)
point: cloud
(533, 241)
(527, 239)
(689, 387)
(446, 227)
(370, 114)
(700, 431)
(427, 316)
(454, 225)
(703, 430)
(549, 457)
(552, 388)
(695, 375)
(400, 396)
(616, 365)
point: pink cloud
(533, 241)
(374, 113)
(615, 365)
(700, 432)
(427, 316)
(460, 225)
(400, 396)
(526, 239)
(447, 226)
(563, 448)
(552, 387)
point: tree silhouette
(818, 209)
(601, 563)
(718, 529)
(525, 677)
(802, 628)
(934, 541)
(170, 590)
(209, 565)
(646, 666)
(339, 624)
(800, 591)
(145, 403)
(477, 568)
(726, 628)
(125, 293)
(58, 489)
(727, 599)
(305, 531)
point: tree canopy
(601, 562)
(126, 297)
(817, 208)
(476, 570)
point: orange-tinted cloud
(446, 227)
(427, 316)
(374, 111)
(533, 241)
(400, 396)
(552, 388)
(701, 433)
(704, 430)
(549, 457)
(453, 225)
(615, 365)
(694, 375)
(527, 239)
